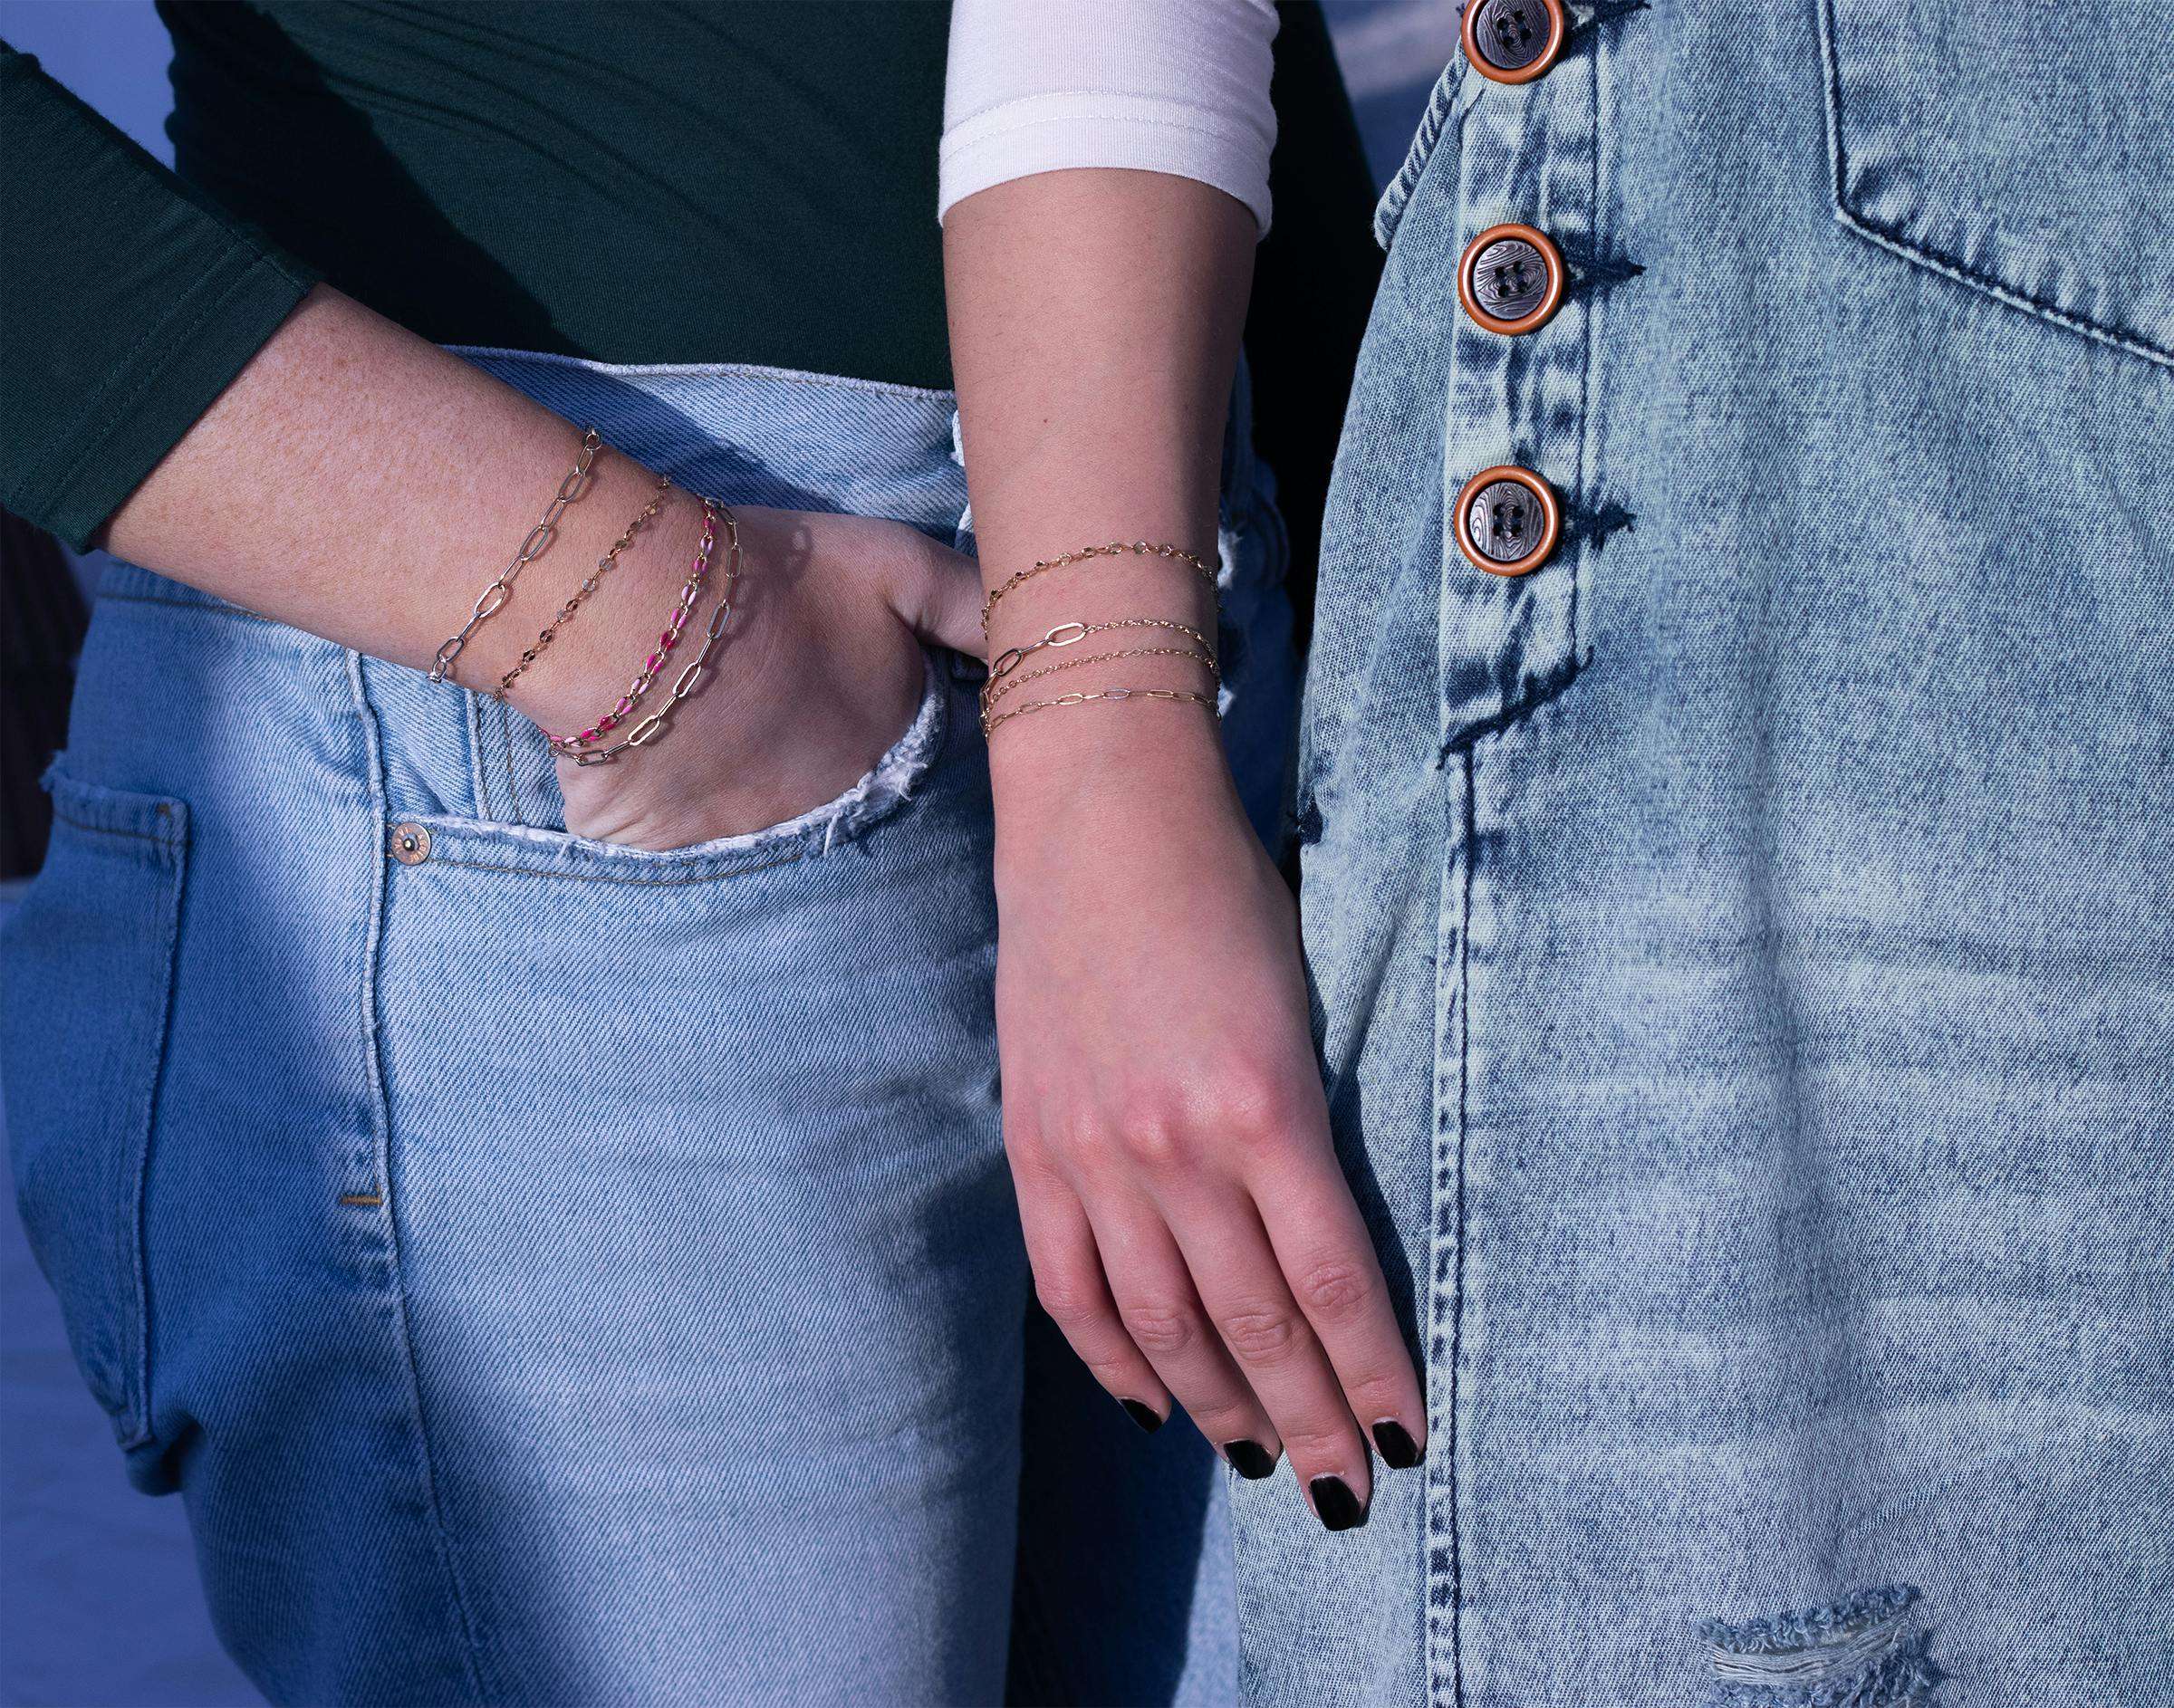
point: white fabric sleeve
(1177, 86)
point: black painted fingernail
(1335, 1505)
(1249, 1459)
(1145, 1416)
(1397, 1449)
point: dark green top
(629, 182)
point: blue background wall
(99, 1602)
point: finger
(1321, 1245)
(1070, 1284)
(937, 593)
(1250, 1303)
(1160, 1309)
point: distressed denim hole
(1868, 1650)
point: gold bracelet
(492, 598)
(604, 564)
(1072, 634)
(992, 692)
(1116, 548)
(1105, 694)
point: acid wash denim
(557, 1274)
(1745, 944)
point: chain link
(1116, 548)
(1104, 694)
(492, 598)
(604, 566)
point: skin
(1189, 1228)
(358, 482)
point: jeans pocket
(2016, 151)
(88, 962)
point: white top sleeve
(1177, 86)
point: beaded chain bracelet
(579, 749)
(492, 598)
(1116, 548)
(645, 679)
(604, 566)
(993, 692)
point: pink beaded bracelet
(572, 745)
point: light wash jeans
(1745, 944)
(557, 1274)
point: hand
(817, 675)
(1190, 1230)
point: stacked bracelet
(492, 598)
(691, 591)
(1116, 548)
(581, 748)
(604, 565)
(1006, 678)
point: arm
(166, 396)
(1189, 1228)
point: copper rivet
(410, 844)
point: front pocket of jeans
(2018, 151)
(890, 787)
(88, 964)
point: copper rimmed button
(1507, 521)
(410, 844)
(1510, 279)
(1513, 40)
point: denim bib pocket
(89, 964)
(2007, 148)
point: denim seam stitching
(1458, 1448)
(380, 1116)
(603, 878)
(89, 829)
(1887, 238)
(1388, 212)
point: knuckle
(1067, 1304)
(1313, 1445)
(1260, 1334)
(1151, 1138)
(1335, 1287)
(1158, 1327)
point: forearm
(1095, 320)
(358, 482)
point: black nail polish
(1249, 1459)
(1145, 1416)
(1396, 1447)
(1335, 1505)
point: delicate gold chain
(1116, 548)
(1105, 694)
(1072, 634)
(604, 564)
(995, 691)
(653, 726)
(492, 598)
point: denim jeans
(553, 1272)
(1744, 944)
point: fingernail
(1335, 1505)
(1396, 1447)
(1249, 1459)
(1146, 1417)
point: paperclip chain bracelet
(1072, 634)
(1116, 548)
(682, 608)
(995, 691)
(1104, 694)
(604, 565)
(492, 598)
(654, 725)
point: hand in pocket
(818, 674)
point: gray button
(1512, 33)
(1504, 521)
(1509, 277)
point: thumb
(938, 595)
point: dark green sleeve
(131, 301)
